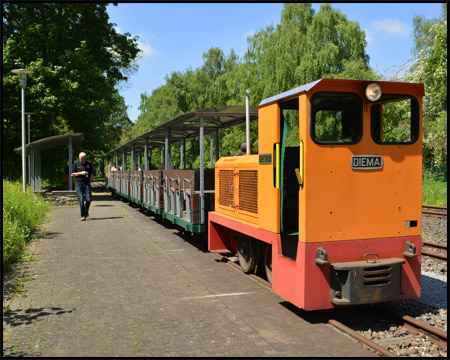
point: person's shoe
(87, 216)
(83, 219)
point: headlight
(373, 92)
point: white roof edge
(288, 93)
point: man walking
(83, 172)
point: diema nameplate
(367, 162)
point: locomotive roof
(307, 87)
(289, 93)
(187, 126)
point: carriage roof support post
(33, 182)
(202, 175)
(70, 162)
(37, 169)
(117, 160)
(182, 154)
(139, 160)
(211, 149)
(29, 138)
(149, 158)
(162, 158)
(217, 145)
(132, 157)
(146, 164)
(167, 149)
(123, 159)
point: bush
(22, 214)
(435, 172)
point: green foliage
(22, 214)
(78, 59)
(303, 48)
(397, 121)
(430, 68)
(435, 172)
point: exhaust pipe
(247, 120)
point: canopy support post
(202, 175)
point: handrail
(184, 187)
(175, 181)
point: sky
(174, 37)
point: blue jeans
(84, 198)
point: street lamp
(28, 114)
(23, 84)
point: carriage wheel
(268, 262)
(246, 251)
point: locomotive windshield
(336, 118)
(395, 119)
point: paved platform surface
(121, 284)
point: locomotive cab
(331, 204)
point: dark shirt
(77, 167)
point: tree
(209, 85)
(430, 68)
(304, 47)
(78, 59)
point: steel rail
(434, 255)
(434, 246)
(361, 338)
(435, 207)
(436, 211)
(414, 326)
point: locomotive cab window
(336, 118)
(395, 119)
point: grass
(434, 192)
(22, 215)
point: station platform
(122, 284)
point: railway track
(412, 328)
(409, 327)
(436, 211)
(435, 250)
(416, 327)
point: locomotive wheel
(268, 262)
(246, 251)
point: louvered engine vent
(226, 195)
(248, 191)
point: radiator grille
(226, 195)
(248, 190)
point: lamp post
(23, 84)
(28, 114)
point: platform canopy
(50, 142)
(187, 126)
(34, 149)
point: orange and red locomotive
(335, 216)
(330, 205)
